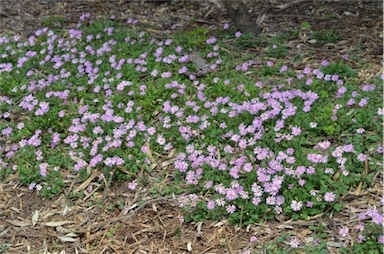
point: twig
(290, 5)
(298, 16)
(3, 14)
(107, 186)
(241, 216)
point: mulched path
(121, 222)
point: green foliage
(327, 36)
(249, 40)
(53, 20)
(340, 68)
(3, 248)
(277, 51)
(199, 36)
(305, 25)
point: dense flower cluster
(268, 146)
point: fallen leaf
(172, 153)
(350, 112)
(334, 244)
(65, 211)
(86, 183)
(199, 224)
(4, 232)
(19, 223)
(62, 230)
(167, 163)
(189, 246)
(35, 218)
(155, 113)
(358, 190)
(347, 13)
(71, 235)
(305, 232)
(309, 239)
(67, 239)
(220, 223)
(57, 223)
(303, 36)
(149, 153)
(336, 176)
(283, 226)
(260, 19)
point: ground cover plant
(251, 139)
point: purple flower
(271, 200)
(166, 74)
(211, 205)
(295, 242)
(324, 63)
(296, 206)
(43, 169)
(211, 40)
(344, 232)
(361, 157)
(61, 113)
(7, 131)
(31, 186)
(329, 197)
(253, 239)
(380, 239)
(220, 202)
(132, 185)
(231, 208)
(231, 194)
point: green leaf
(338, 207)
(305, 25)
(374, 138)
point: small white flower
(296, 206)
(312, 125)
(295, 242)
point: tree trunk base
(239, 14)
